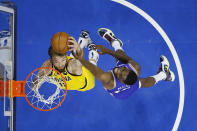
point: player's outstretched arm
(118, 55)
(78, 53)
(41, 73)
(104, 77)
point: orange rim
(49, 68)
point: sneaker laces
(91, 46)
(84, 34)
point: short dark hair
(131, 78)
(51, 52)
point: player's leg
(84, 39)
(109, 36)
(93, 54)
(117, 44)
(164, 73)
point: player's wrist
(110, 52)
(81, 59)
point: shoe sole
(105, 29)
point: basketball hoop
(42, 90)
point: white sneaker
(92, 46)
(108, 35)
(93, 54)
(84, 39)
(165, 68)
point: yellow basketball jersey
(82, 82)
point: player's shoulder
(74, 62)
(107, 80)
(74, 66)
(47, 63)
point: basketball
(59, 42)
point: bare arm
(41, 73)
(104, 77)
(46, 64)
(120, 55)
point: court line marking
(174, 54)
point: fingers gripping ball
(59, 42)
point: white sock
(116, 45)
(160, 76)
(93, 57)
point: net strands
(34, 83)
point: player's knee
(119, 51)
(143, 82)
(138, 68)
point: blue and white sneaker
(84, 39)
(165, 67)
(92, 46)
(93, 54)
(108, 35)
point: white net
(47, 100)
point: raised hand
(75, 48)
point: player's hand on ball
(102, 49)
(73, 46)
(78, 54)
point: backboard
(7, 63)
